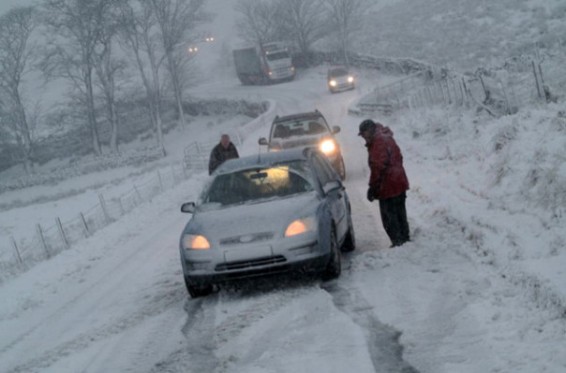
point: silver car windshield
(243, 186)
(299, 128)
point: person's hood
(380, 130)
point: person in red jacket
(388, 182)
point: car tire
(349, 243)
(334, 267)
(198, 291)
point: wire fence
(433, 86)
(48, 241)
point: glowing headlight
(332, 83)
(300, 226)
(327, 147)
(195, 242)
(350, 79)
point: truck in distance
(264, 64)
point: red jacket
(388, 178)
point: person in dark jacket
(388, 182)
(222, 152)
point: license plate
(247, 253)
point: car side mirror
(335, 129)
(332, 186)
(262, 141)
(188, 207)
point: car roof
(263, 159)
(307, 115)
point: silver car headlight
(301, 226)
(350, 79)
(328, 147)
(195, 242)
(332, 83)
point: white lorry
(264, 64)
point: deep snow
(481, 287)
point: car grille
(245, 264)
(246, 239)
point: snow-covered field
(481, 287)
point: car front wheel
(197, 291)
(334, 266)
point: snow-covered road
(116, 301)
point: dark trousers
(394, 219)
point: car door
(335, 196)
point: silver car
(306, 129)
(340, 79)
(263, 214)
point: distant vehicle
(265, 214)
(340, 79)
(306, 129)
(264, 64)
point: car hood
(268, 218)
(294, 142)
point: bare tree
(302, 21)
(175, 19)
(345, 17)
(107, 67)
(259, 20)
(139, 34)
(77, 27)
(16, 28)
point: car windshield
(273, 56)
(304, 127)
(338, 72)
(247, 185)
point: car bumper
(301, 258)
(342, 87)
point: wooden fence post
(15, 245)
(42, 238)
(85, 226)
(62, 232)
(536, 80)
(104, 211)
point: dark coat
(388, 178)
(219, 155)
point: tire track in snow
(168, 298)
(384, 348)
(198, 353)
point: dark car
(306, 129)
(339, 79)
(264, 214)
